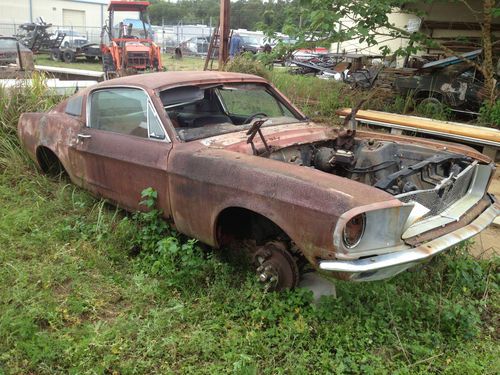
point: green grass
(171, 64)
(76, 299)
(79, 64)
(319, 99)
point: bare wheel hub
(276, 267)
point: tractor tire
(55, 55)
(108, 64)
(68, 56)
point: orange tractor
(127, 49)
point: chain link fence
(193, 38)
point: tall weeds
(319, 99)
(13, 102)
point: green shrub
(164, 251)
(13, 102)
(317, 98)
(433, 111)
(245, 63)
(489, 114)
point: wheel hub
(276, 267)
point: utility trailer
(90, 52)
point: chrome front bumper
(384, 266)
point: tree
(370, 18)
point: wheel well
(421, 95)
(49, 162)
(236, 223)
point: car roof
(165, 80)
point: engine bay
(390, 166)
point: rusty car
(232, 159)
(448, 83)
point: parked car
(74, 42)
(250, 43)
(305, 54)
(233, 160)
(8, 50)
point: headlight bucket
(354, 230)
(371, 229)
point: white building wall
(51, 11)
(92, 13)
(400, 20)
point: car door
(123, 148)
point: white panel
(74, 19)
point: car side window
(125, 111)
(74, 106)
(155, 128)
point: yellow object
(448, 127)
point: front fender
(304, 202)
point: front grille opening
(438, 199)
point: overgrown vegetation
(245, 63)
(489, 115)
(21, 99)
(319, 99)
(87, 288)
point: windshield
(250, 40)
(200, 111)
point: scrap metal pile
(356, 69)
(37, 38)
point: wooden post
(224, 33)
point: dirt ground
(487, 243)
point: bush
(433, 111)
(165, 252)
(317, 98)
(20, 99)
(245, 63)
(489, 114)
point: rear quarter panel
(53, 130)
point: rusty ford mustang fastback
(233, 160)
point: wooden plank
(446, 127)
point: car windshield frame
(235, 122)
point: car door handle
(83, 136)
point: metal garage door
(74, 19)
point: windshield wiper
(252, 132)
